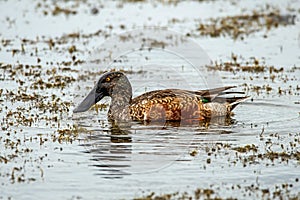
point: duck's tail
(234, 101)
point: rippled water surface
(52, 53)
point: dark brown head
(112, 84)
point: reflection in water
(147, 147)
(110, 151)
(219, 121)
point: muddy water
(48, 57)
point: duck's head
(113, 84)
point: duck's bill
(91, 99)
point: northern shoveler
(158, 105)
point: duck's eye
(107, 79)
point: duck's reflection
(129, 148)
(216, 121)
(110, 150)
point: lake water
(52, 53)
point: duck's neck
(120, 102)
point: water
(46, 151)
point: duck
(159, 105)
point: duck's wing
(211, 94)
(208, 95)
(219, 95)
(161, 94)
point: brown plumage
(159, 105)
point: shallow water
(46, 151)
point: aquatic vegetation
(240, 26)
(254, 69)
(238, 63)
(247, 191)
